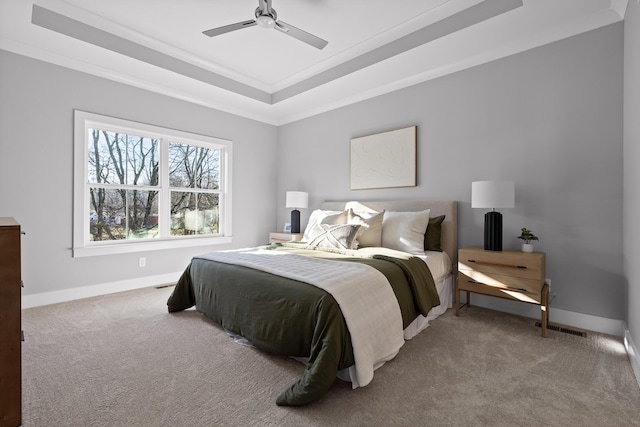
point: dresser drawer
(509, 263)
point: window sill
(122, 248)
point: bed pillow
(370, 227)
(404, 231)
(432, 236)
(319, 216)
(341, 236)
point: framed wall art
(384, 160)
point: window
(140, 187)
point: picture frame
(384, 160)
(287, 227)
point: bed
(343, 300)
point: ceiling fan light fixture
(266, 21)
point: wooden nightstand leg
(467, 303)
(544, 308)
(548, 310)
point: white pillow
(404, 231)
(341, 236)
(324, 217)
(370, 233)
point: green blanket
(292, 318)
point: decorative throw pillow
(404, 231)
(371, 227)
(341, 236)
(324, 217)
(432, 236)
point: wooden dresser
(10, 324)
(514, 275)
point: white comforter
(366, 299)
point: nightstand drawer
(526, 290)
(509, 263)
(277, 237)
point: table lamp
(492, 195)
(296, 200)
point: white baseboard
(634, 355)
(587, 321)
(54, 297)
(563, 317)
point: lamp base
(295, 221)
(493, 231)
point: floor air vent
(565, 330)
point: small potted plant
(527, 236)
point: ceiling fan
(266, 17)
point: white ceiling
(374, 46)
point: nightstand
(283, 236)
(513, 275)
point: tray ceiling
(373, 46)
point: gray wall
(36, 150)
(550, 119)
(631, 169)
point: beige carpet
(122, 360)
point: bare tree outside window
(194, 177)
(123, 178)
(123, 170)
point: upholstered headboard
(449, 236)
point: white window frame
(82, 246)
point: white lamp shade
(493, 194)
(297, 199)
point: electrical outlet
(142, 262)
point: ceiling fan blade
(303, 36)
(228, 28)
